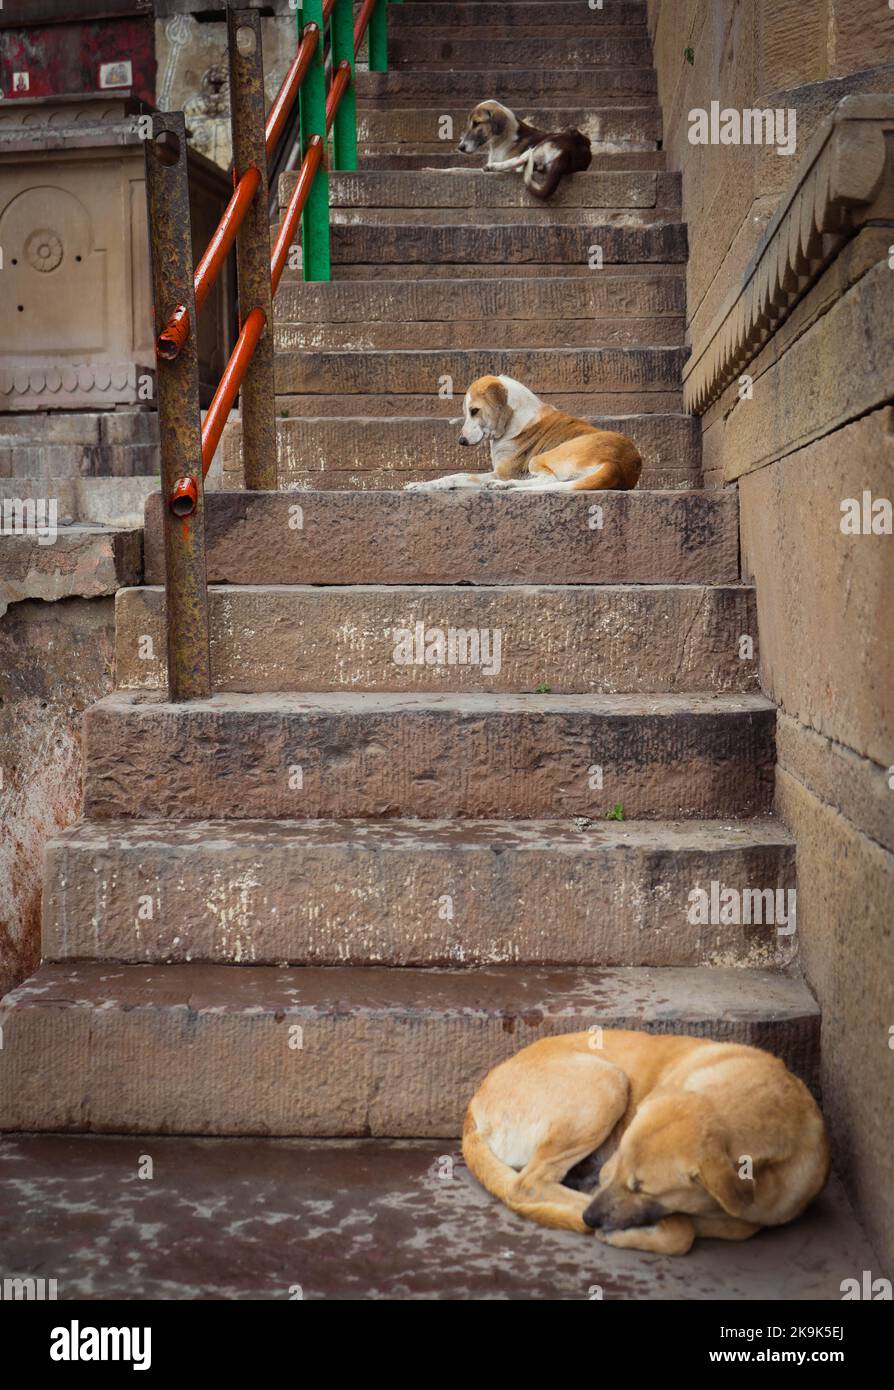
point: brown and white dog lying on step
(542, 159)
(536, 447)
(685, 1137)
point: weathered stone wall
(55, 660)
(193, 73)
(799, 54)
(817, 430)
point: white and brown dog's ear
(498, 120)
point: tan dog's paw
(673, 1235)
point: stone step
(472, 188)
(390, 405)
(505, 218)
(116, 502)
(328, 449)
(339, 479)
(529, 84)
(216, 1049)
(573, 639)
(549, 241)
(437, 1234)
(412, 893)
(607, 294)
(480, 332)
(431, 149)
(490, 16)
(637, 126)
(275, 756)
(404, 159)
(355, 452)
(79, 444)
(420, 51)
(463, 537)
(527, 273)
(54, 562)
(640, 369)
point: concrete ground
(346, 1219)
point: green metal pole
(315, 218)
(378, 38)
(344, 127)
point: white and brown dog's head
(487, 412)
(488, 122)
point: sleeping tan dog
(536, 447)
(688, 1138)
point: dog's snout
(593, 1217)
(462, 439)
(608, 1212)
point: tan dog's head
(673, 1157)
(486, 412)
(488, 121)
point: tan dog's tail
(503, 1182)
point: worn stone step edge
(605, 85)
(368, 637)
(646, 369)
(460, 17)
(623, 330)
(337, 1051)
(374, 405)
(612, 50)
(532, 243)
(637, 126)
(558, 298)
(321, 443)
(40, 559)
(455, 189)
(417, 538)
(418, 893)
(276, 755)
(114, 502)
(405, 159)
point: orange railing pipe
(291, 84)
(221, 242)
(176, 331)
(362, 21)
(341, 81)
(228, 386)
(256, 322)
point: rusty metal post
(247, 118)
(179, 418)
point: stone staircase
(326, 900)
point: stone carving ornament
(43, 249)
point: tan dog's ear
(720, 1178)
(496, 397)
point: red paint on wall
(74, 59)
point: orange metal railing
(173, 335)
(181, 290)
